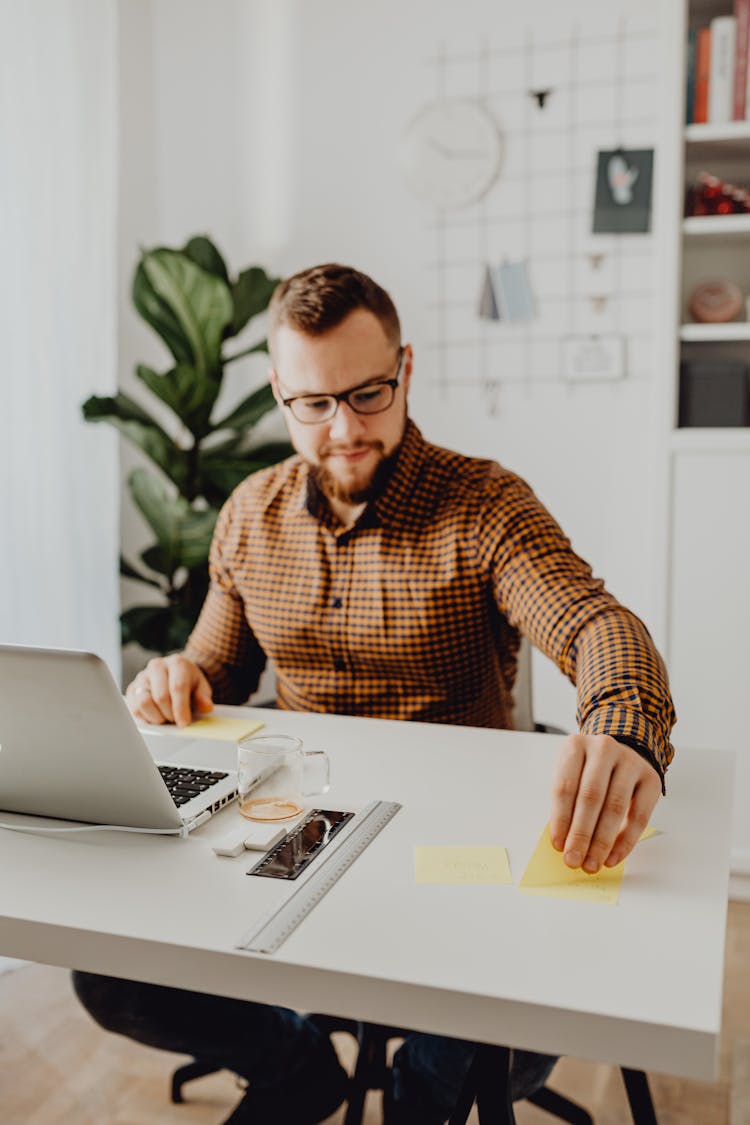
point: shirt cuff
(633, 729)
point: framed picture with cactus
(189, 299)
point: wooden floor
(58, 1068)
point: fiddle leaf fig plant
(190, 300)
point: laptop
(70, 749)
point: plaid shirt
(415, 611)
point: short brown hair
(318, 299)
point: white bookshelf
(696, 439)
(731, 132)
(717, 226)
(706, 592)
(715, 333)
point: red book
(702, 74)
(742, 16)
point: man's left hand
(603, 795)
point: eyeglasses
(368, 398)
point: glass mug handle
(321, 757)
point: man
(389, 578)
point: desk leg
(487, 1083)
(639, 1096)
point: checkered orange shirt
(415, 611)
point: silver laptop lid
(69, 747)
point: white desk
(638, 984)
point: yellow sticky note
(547, 874)
(225, 730)
(461, 864)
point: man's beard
(334, 489)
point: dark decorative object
(540, 96)
(623, 191)
(714, 393)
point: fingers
(603, 795)
(203, 696)
(187, 684)
(159, 686)
(644, 802)
(165, 690)
(570, 763)
(140, 700)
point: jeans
(269, 1045)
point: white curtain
(59, 490)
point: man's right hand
(168, 690)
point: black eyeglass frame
(343, 396)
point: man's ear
(274, 381)
(408, 366)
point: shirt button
(336, 603)
(339, 665)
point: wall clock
(451, 152)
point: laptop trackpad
(204, 753)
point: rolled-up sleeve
(549, 594)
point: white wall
(275, 127)
(187, 140)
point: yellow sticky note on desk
(547, 874)
(224, 730)
(461, 864)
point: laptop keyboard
(184, 783)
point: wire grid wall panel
(603, 83)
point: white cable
(99, 828)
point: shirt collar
(390, 504)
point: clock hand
(452, 153)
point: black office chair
(371, 1070)
(370, 1073)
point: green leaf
(183, 533)
(128, 571)
(173, 290)
(188, 393)
(157, 628)
(249, 411)
(155, 559)
(159, 315)
(251, 293)
(204, 253)
(222, 468)
(135, 424)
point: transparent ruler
(267, 935)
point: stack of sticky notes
(546, 872)
(222, 730)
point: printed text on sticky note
(225, 730)
(547, 874)
(461, 864)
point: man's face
(347, 449)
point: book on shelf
(690, 77)
(721, 77)
(702, 74)
(742, 33)
(718, 69)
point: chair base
(187, 1073)
(552, 1102)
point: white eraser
(232, 844)
(261, 837)
(255, 837)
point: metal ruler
(267, 935)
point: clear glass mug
(273, 772)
